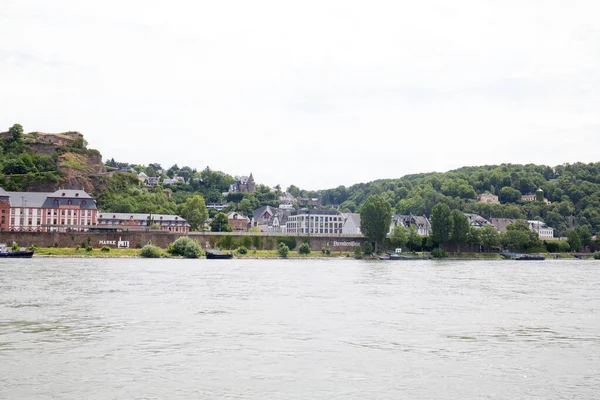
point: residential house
(351, 224)
(488, 198)
(315, 222)
(543, 230)
(477, 221)
(173, 181)
(59, 211)
(142, 222)
(421, 224)
(238, 222)
(501, 223)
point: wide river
(299, 329)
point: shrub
(283, 250)
(597, 255)
(32, 247)
(247, 242)
(257, 242)
(357, 252)
(326, 251)
(192, 250)
(105, 249)
(304, 249)
(89, 249)
(150, 251)
(177, 248)
(368, 248)
(289, 241)
(438, 253)
(226, 242)
(270, 244)
(242, 250)
(15, 247)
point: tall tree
(375, 218)
(460, 228)
(441, 224)
(574, 240)
(509, 195)
(220, 223)
(399, 236)
(194, 211)
(490, 237)
(518, 236)
(414, 242)
(16, 132)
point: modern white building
(315, 222)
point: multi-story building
(315, 222)
(60, 211)
(421, 224)
(488, 198)
(243, 184)
(238, 222)
(543, 230)
(142, 222)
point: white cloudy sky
(312, 93)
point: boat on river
(398, 256)
(522, 256)
(218, 255)
(6, 253)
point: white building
(543, 230)
(315, 222)
(351, 224)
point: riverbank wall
(139, 239)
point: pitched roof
(70, 193)
(3, 193)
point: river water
(299, 329)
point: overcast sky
(311, 93)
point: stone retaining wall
(162, 239)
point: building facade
(60, 211)
(488, 198)
(142, 222)
(421, 224)
(238, 222)
(243, 184)
(315, 222)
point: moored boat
(218, 255)
(6, 253)
(398, 256)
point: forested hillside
(573, 190)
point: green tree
(518, 236)
(399, 236)
(375, 219)
(283, 250)
(509, 195)
(460, 228)
(414, 241)
(441, 223)
(584, 235)
(220, 223)
(474, 237)
(574, 241)
(194, 211)
(304, 249)
(16, 133)
(490, 238)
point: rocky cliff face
(79, 169)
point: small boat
(218, 255)
(522, 256)
(6, 253)
(398, 256)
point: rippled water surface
(295, 329)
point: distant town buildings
(543, 230)
(477, 221)
(534, 197)
(59, 211)
(243, 184)
(141, 222)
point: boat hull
(17, 254)
(218, 256)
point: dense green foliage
(573, 189)
(375, 218)
(151, 251)
(283, 250)
(304, 249)
(220, 223)
(289, 241)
